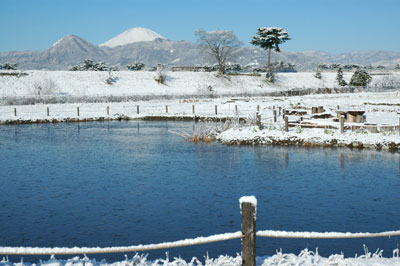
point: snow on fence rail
(248, 206)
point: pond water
(127, 183)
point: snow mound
(131, 36)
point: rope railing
(188, 242)
(325, 235)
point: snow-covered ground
(92, 83)
(306, 258)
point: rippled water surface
(126, 183)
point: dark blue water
(128, 183)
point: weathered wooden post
(248, 207)
(341, 120)
(236, 110)
(216, 110)
(137, 109)
(399, 125)
(274, 116)
(279, 111)
(283, 113)
(77, 110)
(193, 108)
(108, 110)
(258, 108)
(166, 109)
(258, 117)
(286, 123)
(15, 111)
(48, 111)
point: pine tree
(397, 67)
(339, 77)
(360, 78)
(268, 39)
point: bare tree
(221, 45)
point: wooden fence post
(274, 116)
(236, 110)
(137, 109)
(249, 234)
(77, 110)
(166, 109)
(15, 111)
(108, 110)
(341, 120)
(258, 108)
(48, 111)
(193, 109)
(286, 123)
(216, 110)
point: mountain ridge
(71, 50)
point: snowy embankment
(92, 84)
(305, 258)
(311, 138)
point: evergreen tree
(268, 39)
(360, 78)
(339, 77)
(397, 67)
(8, 66)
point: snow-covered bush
(90, 65)
(360, 78)
(46, 87)
(233, 67)
(161, 76)
(8, 66)
(210, 68)
(136, 66)
(111, 78)
(318, 75)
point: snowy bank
(87, 84)
(311, 138)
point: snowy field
(88, 83)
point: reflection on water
(125, 183)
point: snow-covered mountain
(144, 45)
(131, 36)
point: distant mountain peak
(66, 39)
(132, 35)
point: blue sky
(328, 25)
